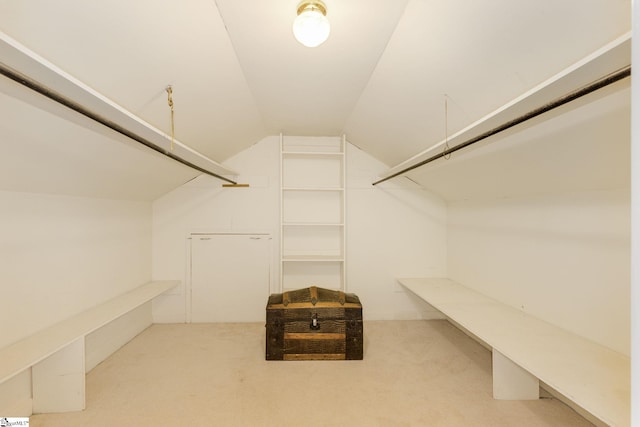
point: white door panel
(229, 277)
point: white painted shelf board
(315, 154)
(336, 189)
(27, 352)
(589, 374)
(312, 224)
(315, 258)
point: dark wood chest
(314, 324)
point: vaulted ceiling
(382, 77)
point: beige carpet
(415, 373)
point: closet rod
(592, 87)
(37, 87)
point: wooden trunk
(314, 324)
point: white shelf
(309, 170)
(312, 183)
(56, 355)
(594, 377)
(314, 258)
(317, 154)
(312, 224)
(31, 350)
(311, 206)
(339, 189)
(322, 272)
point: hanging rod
(572, 96)
(37, 87)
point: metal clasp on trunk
(314, 322)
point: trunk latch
(315, 325)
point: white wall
(202, 205)
(564, 258)
(395, 229)
(62, 255)
(391, 231)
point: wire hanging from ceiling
(605, 81)
(47, 92)
(170, 102)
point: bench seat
(57, 353)
(594, 377)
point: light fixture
(311, 27)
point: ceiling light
(311, 27)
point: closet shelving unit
(312, 212)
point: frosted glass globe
(311, 28)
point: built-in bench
(56, 354)
(529, 353)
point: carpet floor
(414, 373)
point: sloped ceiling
(238, 75)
